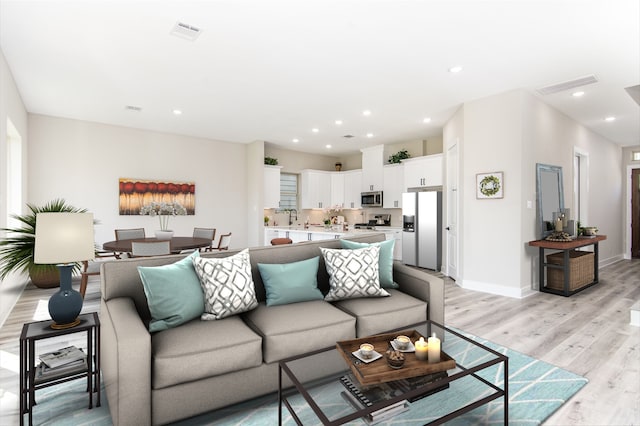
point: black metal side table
(34, 331)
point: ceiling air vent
(186, 31)
(348, 136)
(132, 108)
(566, 85)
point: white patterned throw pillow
(353, 273)
(227, 285)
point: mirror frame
(540, 168)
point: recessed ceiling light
(328, 146)
(369, 135)
(338, 122)
(295, 140)
(315, 130)
(366, 113)
(611, 118)
(455, 69)
(177, 112)
(427, 120)
(577, 94)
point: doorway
(635, 213)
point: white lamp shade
(64, 238)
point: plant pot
(164, 235)
(45, 278)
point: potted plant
(399, 156)
(270, 161)
(16, 248)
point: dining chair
(223, 242)
(92, 267)
(150, 248)
(209, 233)
(129, 234)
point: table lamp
(64, 239)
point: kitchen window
(288, 191)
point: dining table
(177, 244)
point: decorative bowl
(590, 230)
(395, 359)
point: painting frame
(134, 193)
(489, 186)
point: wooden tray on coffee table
(379, 371)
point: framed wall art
(135, 193)
(489, 185)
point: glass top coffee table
(314, 387)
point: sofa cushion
(200, 349)
(353, 273)
(374, 316)
(173, 293)
(227, 284)
(385, 263)
(294, 329)
(291, 282)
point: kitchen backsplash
(317, 216)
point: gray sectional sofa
(157, 378)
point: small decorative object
(395, 359)
(489, 185)
(421, 349)
(64, 239)
(399, 156)
(559, 225)
(402, 342)
(338, 166)
(366, 350)
(560, 236)
(590, 230)
(433, 350)
(164, 211)
(270, 161)
(266, 221)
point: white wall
(511, 132)
(82, 161)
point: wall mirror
(550, 196)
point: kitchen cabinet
(372, 162)
(271, 182)
(423, 172)
(393, 186)
(395, 234)
(352, 188)
(337, 189)
(315, 187)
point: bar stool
(281, 241)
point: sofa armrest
(423, 286)
(125, 358)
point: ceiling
(274, 70)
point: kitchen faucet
(290, 211)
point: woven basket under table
(580, 270)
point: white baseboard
(500, 290)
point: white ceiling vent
(348, 136)
(186, 31)
(132, 108)
(566, 85)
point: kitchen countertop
(322, 229)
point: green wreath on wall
(489, 185)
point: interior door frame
(627, 233)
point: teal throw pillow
(385, 262)
(291, 282)
(174, 293)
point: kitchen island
(316, 233)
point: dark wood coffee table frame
(300, 388)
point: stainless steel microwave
(371, 199)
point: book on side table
(60, 363)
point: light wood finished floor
(588, 333)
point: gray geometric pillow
(227, 285)
(353, 273)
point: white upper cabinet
(315, 189)
(393, 186)
(271, 182)
(337, 189)
(352, 188)
(372, 162)
(423, 171)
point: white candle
(433, 344)
(421, 349)
(559, 224)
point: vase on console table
(164, 234)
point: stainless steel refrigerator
(422, 229)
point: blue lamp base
(66, 304)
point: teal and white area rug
(536, 390)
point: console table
(566, 247)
